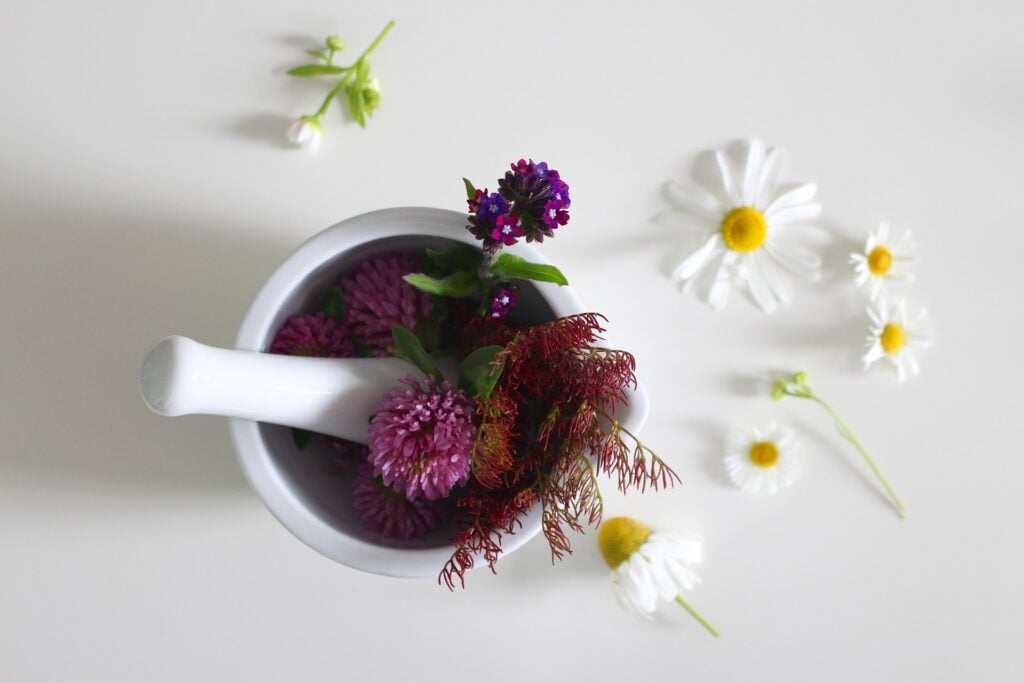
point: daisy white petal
(795, 214)
(729, 186)
(795, 197)
(752, 172)
(769, 176)
(696, 261)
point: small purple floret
(502, 303)
(507, 230)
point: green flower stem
(697, 615)
(798, 387)
(844, 430)
(350, 70)
(376, 42)
(332, 93)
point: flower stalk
(799, 387)
(698, 616)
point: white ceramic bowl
(312, 502)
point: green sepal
(470, 190)
(462, 257)
(301, 437)
(430, 331)
(332, 304)
(516, 267)
(458, 284)
(354, 95)
(363, 350)
(479, 372)
(317, 70)
(408, 346)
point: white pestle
(334, 396)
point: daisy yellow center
(744, 229)
(879, 261)
(764, 454)
(619, 538)
(893, 338)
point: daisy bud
(801, 378)
(778, 390)
(335, 43)
(305, 133)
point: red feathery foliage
(546, 431)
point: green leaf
(301, 438)
(470, 190)
(512, 266)
(408, 346)
(363, 350)
(458, 284)
(479, 372)
(319, 54)
(462, 257)
(354, 95)
(333, 304)
(317, 70)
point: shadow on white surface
(98, 284)
(267, 129)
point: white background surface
(145, 190)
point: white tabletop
(145, 189)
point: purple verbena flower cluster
(532, 201)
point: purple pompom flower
(502, 303)
(389, 513)
(421, 438)
(313, 335)
(377, 299)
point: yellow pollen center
(764, 454)
(893, 338)
(619, 538)
(744, 229)
(879, 261)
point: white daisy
(648, 566)
(763, 459)
(755, 232)
(885, 258)
(897, 336)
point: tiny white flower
(897, 336)
(885, 258)
(305, 132)
(754, 232)
(763, 459)
(649, 566)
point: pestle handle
(332, 396)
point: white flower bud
(305, 133)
